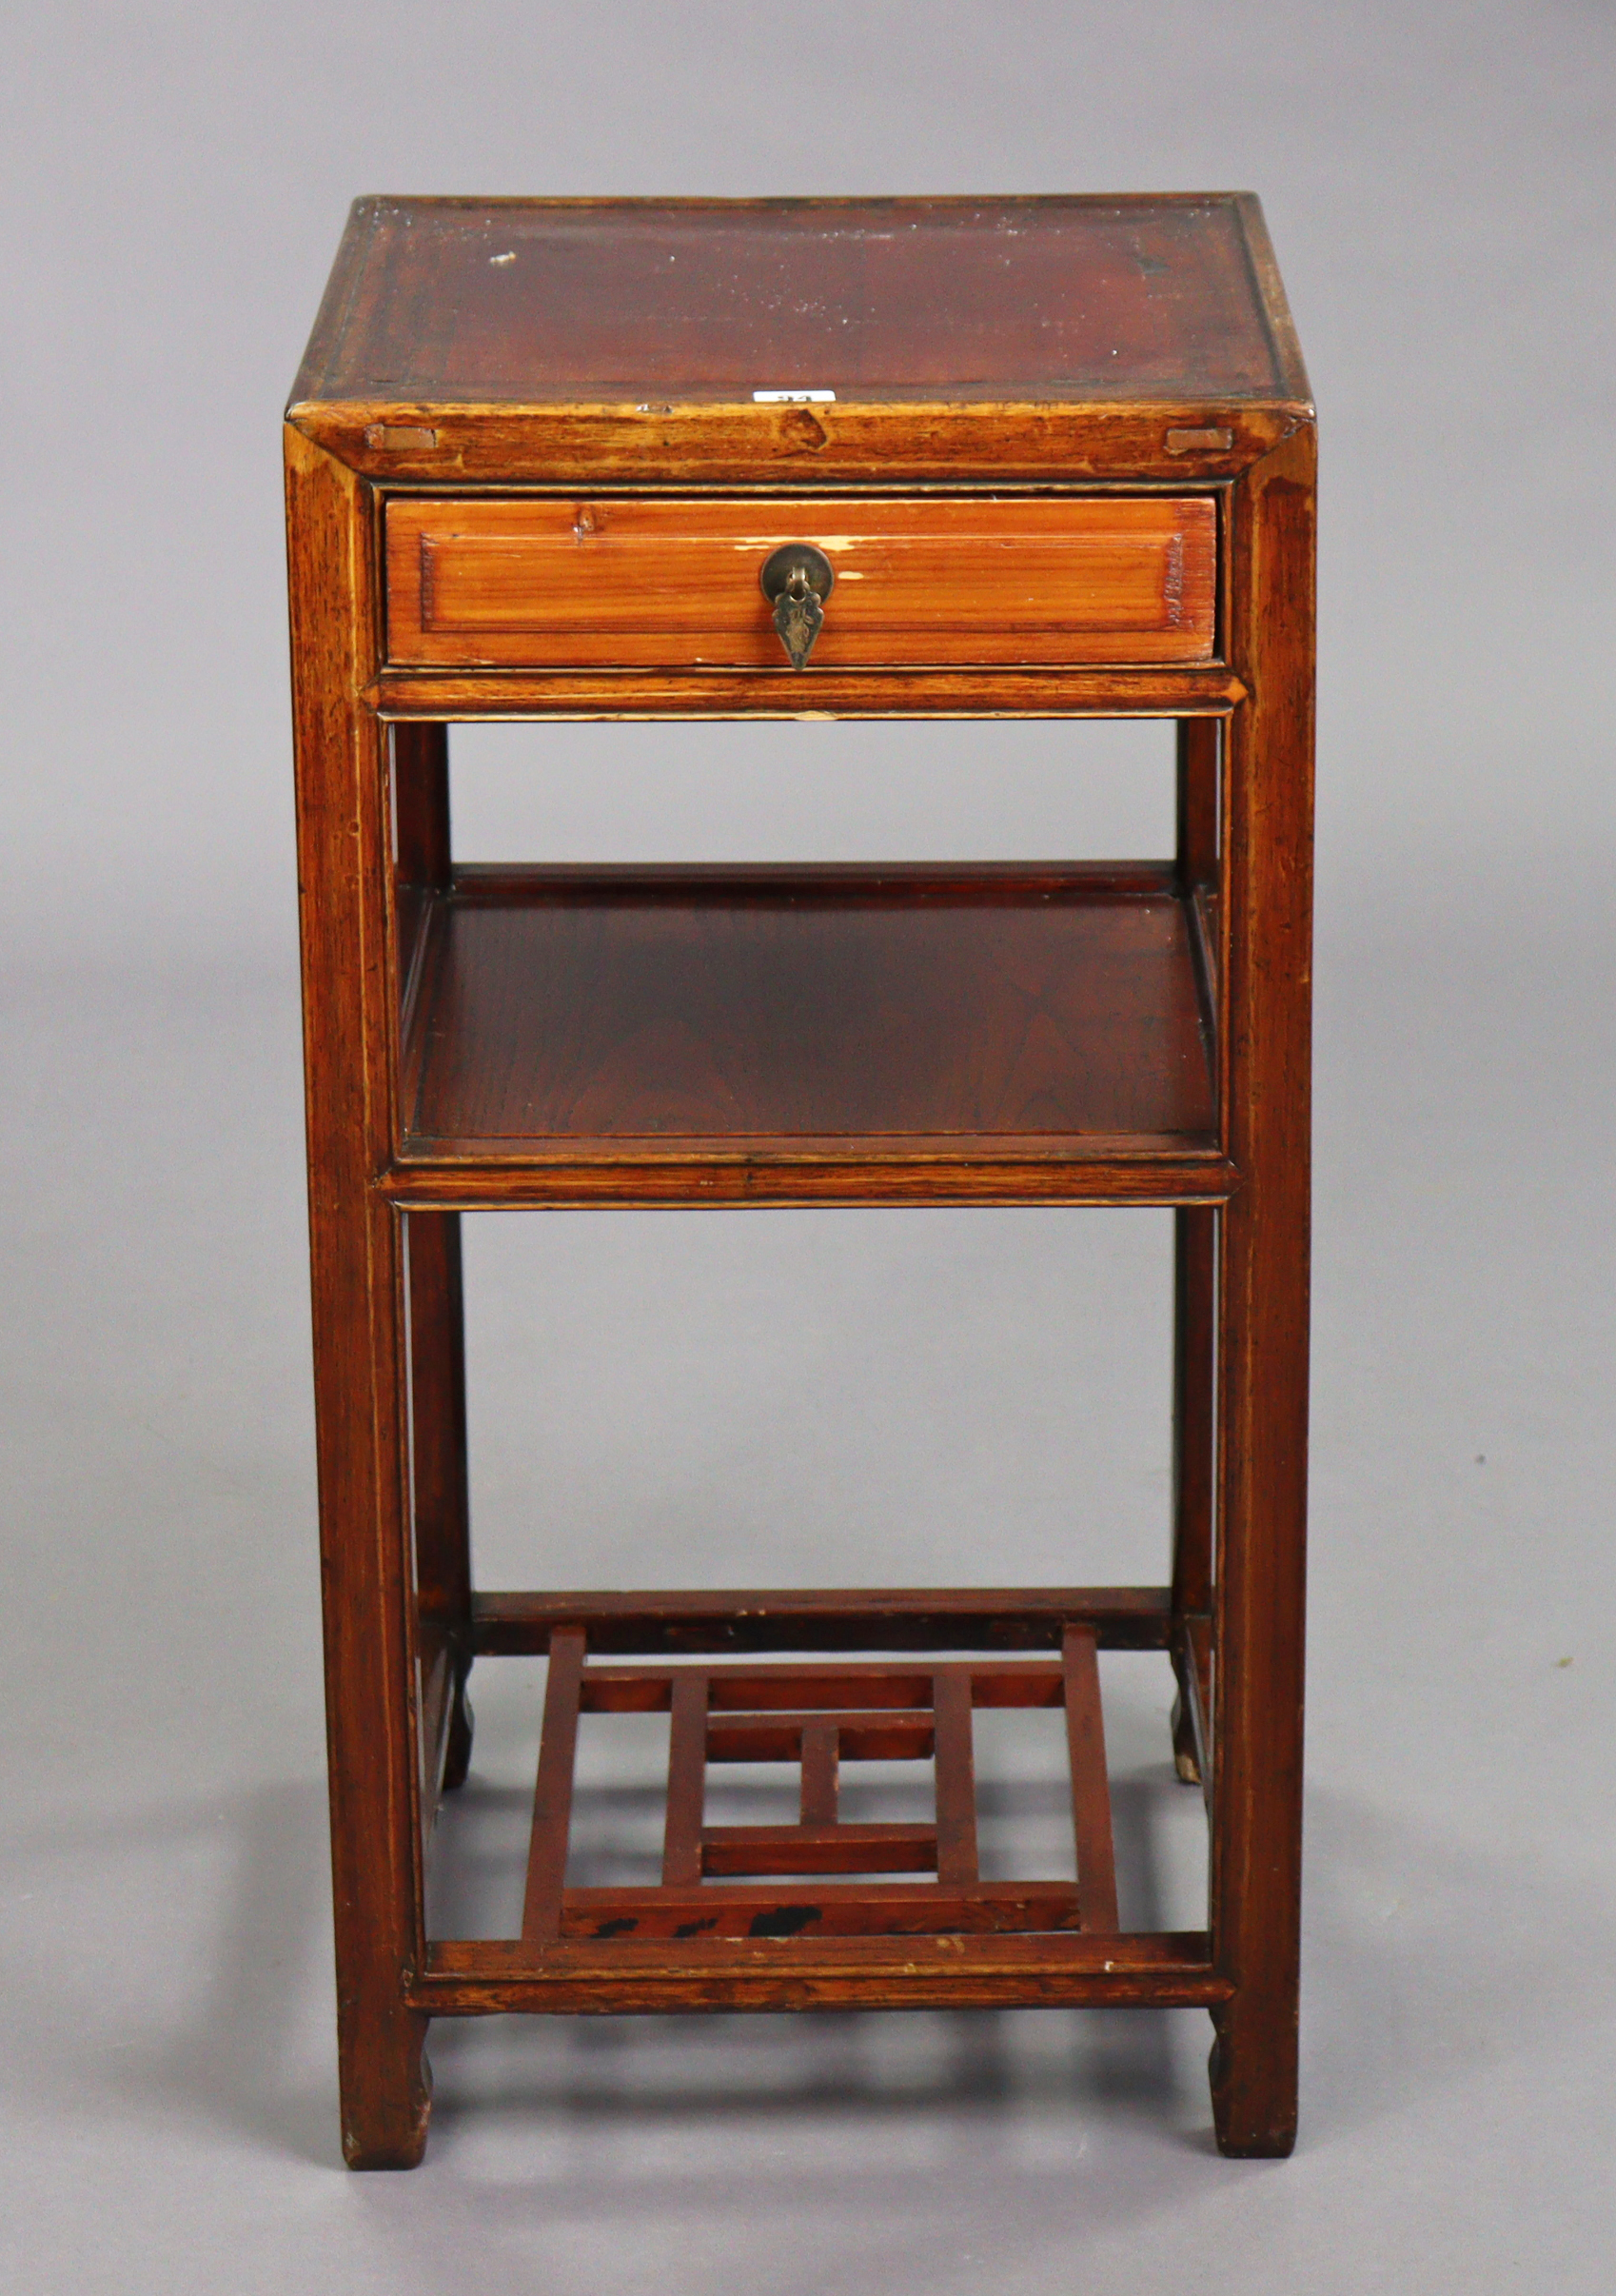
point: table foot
(1252, 2070)
(387, 2100)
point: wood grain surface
(772, 1004)
(1259, 1598)
(1054, 1970)
(1069, 297)
(521, 1622)
(566, 583)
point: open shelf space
(832, 1017)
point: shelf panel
(856, 1018)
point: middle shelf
(915, 1032)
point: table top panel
(1159, 298)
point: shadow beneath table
(176, 1965)
(187, 1974)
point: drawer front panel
(669, 584)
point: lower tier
(826, 1911)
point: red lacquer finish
(1059, 454)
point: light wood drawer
(642, 584)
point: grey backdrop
(686, 1396)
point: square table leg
(357, 1262)
(1263, 1314)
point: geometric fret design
(738, 1881)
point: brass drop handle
(797, 579)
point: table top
(1164, 297)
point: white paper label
(793, 398)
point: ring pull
(797, 579)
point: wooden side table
(877, 458)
